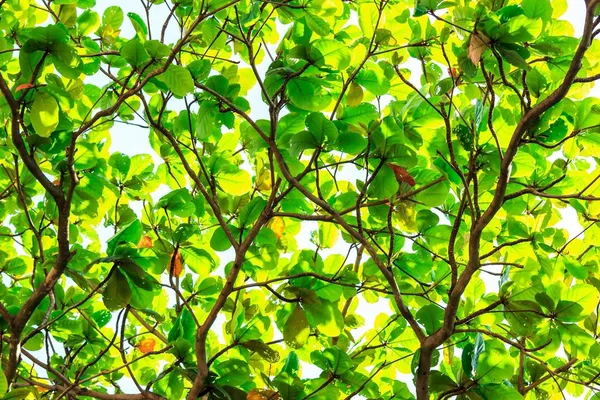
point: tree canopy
(344, 199)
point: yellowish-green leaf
(44, 114)
(328, 235)
(235, 183)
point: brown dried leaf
(477, 46)
(402, 175)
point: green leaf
(304, 141)
(587, 113)
(321, 127)
(218, 83)
(251, 211)
(351, 142)
(17, 394)
(132, 233)
(367, 18)
(44, 114)
(384, 185)
(265, 351)
(142, 286)
(289, 386)
(522, 316)
(537, 9)
(296, 329)
(431, 317)
(183, 328)
(317, 24)
(3, 382)
(117, 293)
(232, 373)
(328, 235)
(330, 53)
(219, 240)
(134, 52)
(112, 17)
(503, 392)
(209, 286)
(156, 49)
(513, 57)
(579, 302)
(199, 260)
(120, 162)
(495, 364)
(536, 82)
(178, 202)
(576, 268)
(139, 25)
(325, 316)
(545, 300)
(374, 81)
(301, 93)
(88, 22)
(179, 80)
(364, 113)
(333, 360)
(205, 121)
(470, 355)
(434, 195)
(576, 340)
(43, 38)
(172, 386)
(184, 232)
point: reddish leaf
(23, 87)
(402, 175)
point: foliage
(343, 198)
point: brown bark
(423, 371)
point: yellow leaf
(449, 354)
(278, 226)
(235, 183)
(355, 95)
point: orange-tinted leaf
(56, 182)
(23, 87)
(402, 175)
(40, 389)
(178, 264)
(277, 225)
(146, 345)
(262, 394)
(145, 243)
